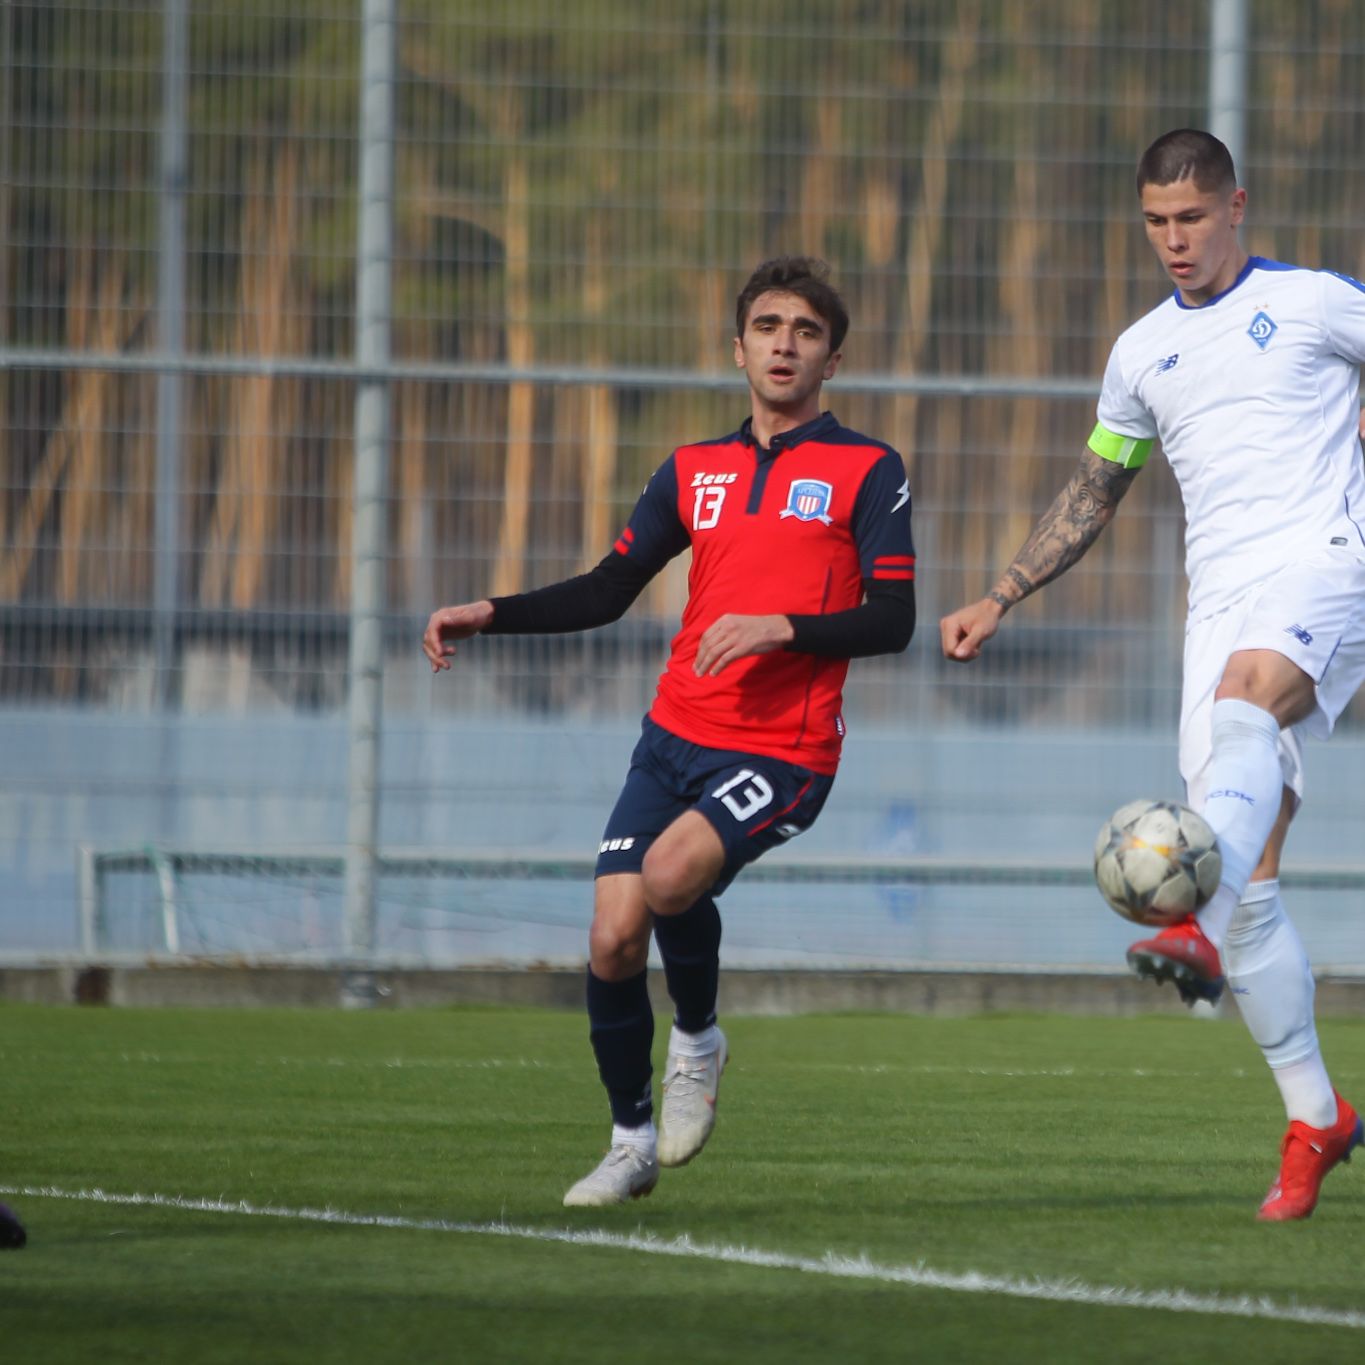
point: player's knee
(670, 881)
(617, 952)
(1268, 681)
(667, 898)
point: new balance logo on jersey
(1169, 363)
(1301, 635)
(1262, 329)
(616, 845)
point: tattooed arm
(1063, 534)
(1066, 530)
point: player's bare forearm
(1063, 534)
(1066, 530)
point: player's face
(785, 351)
(1194, 234)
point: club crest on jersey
(808, 500)
(1262, 329)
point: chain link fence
(579, 191)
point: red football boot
(1181, 954)
(1306, 1155)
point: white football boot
(626, 1172)
(689, 1107)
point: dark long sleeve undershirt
(595, 598)
(883, 624)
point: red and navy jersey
(794, 529)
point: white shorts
(1312, 612)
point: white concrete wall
(278, 783)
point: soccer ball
(1156, 861)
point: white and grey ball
(1156, 861)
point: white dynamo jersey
(1254, 397)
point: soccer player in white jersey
(1249, 376)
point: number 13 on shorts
(754, 792)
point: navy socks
(621, 1024)
(690, 947)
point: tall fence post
(374, 281)
(1228, 76)
(170, 303)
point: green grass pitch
(1073, 1155)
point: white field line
(538, 1064)
(919, 1276)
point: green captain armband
(1129, 451)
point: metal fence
(577, 191)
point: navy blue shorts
(754, 803)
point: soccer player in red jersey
(802, 559)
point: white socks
(701, 1044)
(1269, 974)
(645, 1138)
(1245, 791)
(1307, 1092)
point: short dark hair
(1187, 152)
(805, 277)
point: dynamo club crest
(1262, 329)
(808, 500)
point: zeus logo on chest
(710, 490)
